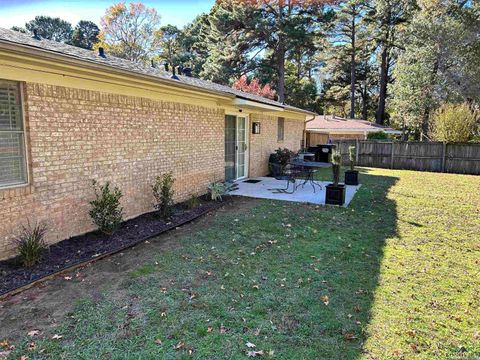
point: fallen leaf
(254, 353)
(210, 329)
(4, 354)
(412, 333)
(4, 344)
(158, 342)
(56, 337)
(33, 333)
(250, 345)
(349, 336)
(325, 300)
(68, 278)
(257, 332)
(357, 308)
(256, 287)
(222, 329)
(31, 346)
(180, 345)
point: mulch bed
(88, 247)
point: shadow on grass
(354, 241)
(298, 281)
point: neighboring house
(69, 115)
(330, 127)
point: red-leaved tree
(254, 87)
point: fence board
(415, 155)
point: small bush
(336, 164)
(30, 244)
(453, 123)
(283, 157)
(193, 202)
(218, 189)
(106, 212)
(163, 194)
(378, 135)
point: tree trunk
(426, 112)
(380, 115)
(281, 72)
(365, 94)
(352, 71)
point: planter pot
(335, 195)
(351, 177)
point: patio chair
(290, 174)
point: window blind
(12, 137)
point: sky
(18, 12)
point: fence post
(391, 159)
(444, 154)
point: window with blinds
(13, 169)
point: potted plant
(281, 157)
(335, 194)
(351, 176)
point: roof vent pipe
(101, 52)
(166, 66)
(174, 77)
(187, 72)
(35, 35)
(153, 63)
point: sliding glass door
(236, 147)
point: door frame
(247, 142)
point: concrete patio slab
(304, 194)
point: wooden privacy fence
(462, 158)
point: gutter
(72, 60)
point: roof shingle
(16, 37)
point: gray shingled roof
(16, 37)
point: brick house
(326, 128)
(69, 115)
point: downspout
(305, 131)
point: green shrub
(30, 243)
(106, 212)
(352, 156)
(453, 123)
(163, 194)
(283, 156)
(378, 135)
(336, 164)
(217, 190)
(193, 202)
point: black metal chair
(290, 174)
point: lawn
(395, 275)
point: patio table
(310, 167)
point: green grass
(400, 268)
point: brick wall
(77, 135)
(263, 144)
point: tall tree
(349, 16)
(85, 34)
(168, 40)
(388, 20)
(274, 25)
(440, 64)
(129, 31)
(50, 28)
